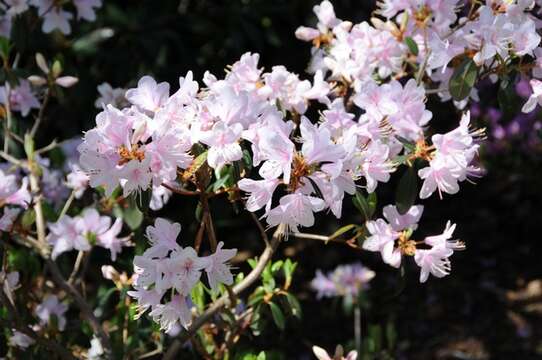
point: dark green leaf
(412, 46)
(365, 205)
(407, 191)
(278, 316)
(295, 307)
(463, 79)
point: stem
(209, 227)
(86, 310)
(14, 322)
(224, 300)
(67, 205)
(39, 119)
(7, 127)
(40, 221)
(357, 327)
(76, 266)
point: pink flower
(145, 299)
(10, 193)
(135, 176)
(444, 239)
(535, 98)
(148, 95)
(295, 210)
(217, 270)
(436, 260)
(375, 165)
(16, 7)
(185, 267)
(51, 306)
(224, 148)
(151, 271)
(20, 340)
(261, 193)
(399, 222)
(306, 33)
(21, 97)
(163, 238)
(433, 261)
(65, 235)
(110, 241)
(439, 175)
(9, 216)
(172, 313)
(86, 8)
(317, 144)
(110, 96)
(56, 18)
(382, 239)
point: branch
(85, 308)
(39, 119)
(224, 300)
(15, 323)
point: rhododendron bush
(281, 150)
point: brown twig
(14, 322)
(85, 308)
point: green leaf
(412, 46)
(407, 191)
(29, 146)
(342, 230)
(133, 217)
(295, 307)
(28, 219)
(5, 48)
(463, 79)
(278, 316)
(365, 205)
(506, 95)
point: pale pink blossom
(86, 9)
(535, 98)
(20, 340)
(408, 220)
(8, 218)
(163, 238)
(171, 313)
(382, 239)
(11, 193)
(21, 97)
(51, 306)
(224, 147)
(185, 267)
(148, 95)
(295, 210)
(65, 235)
(261, 193)
(218, 271)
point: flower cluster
(491, 34)
(344, 280)
(81, 232)
(166, 273)
(392, 238)
(54, 13)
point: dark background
(471, 314)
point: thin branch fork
(85, 308)
(225, 299)
(15, 323)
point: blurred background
(490, 307)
